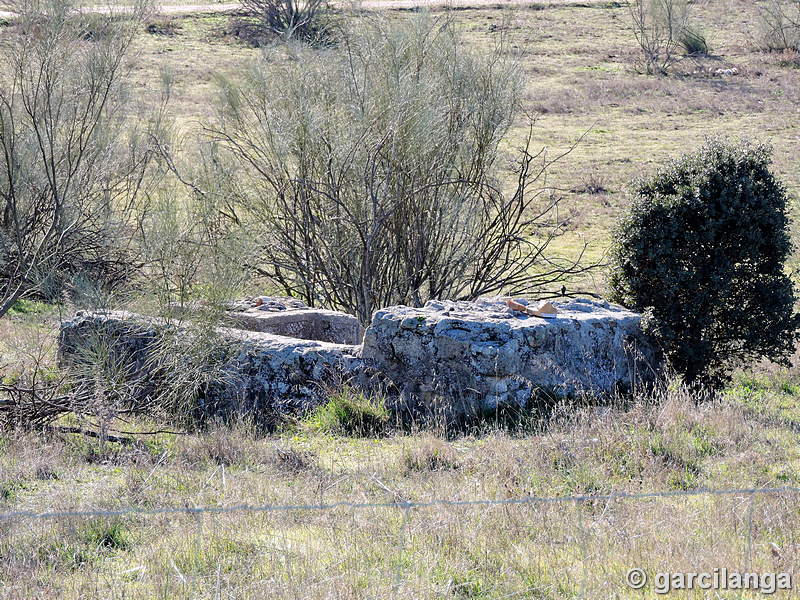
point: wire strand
(188, 510)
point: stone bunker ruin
(278, 355)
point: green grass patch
(108, 534)
(30, 307)
(350, 412)
(769, 396)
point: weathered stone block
(484, 354)
(255, 372)
(304, 323)
(291, 318)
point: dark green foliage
(694, 42)
(702, 253)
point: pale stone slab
(484, 354)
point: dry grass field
(578, 59)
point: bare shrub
(660, 28)
(157, 370)
(594, 182)
(779, 26)
(70, 171)
(294, 461)
(694, 42)
(290, 18)
(372, 177)
(96, 392)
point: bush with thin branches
(70, 170)
(372, 175)
(660, 28)
(779, 26)
(289, 18)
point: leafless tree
(373, 174)
(70, 173)
(659, 27)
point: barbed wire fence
(201, 510)
(578, 534)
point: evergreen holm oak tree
(702, 253)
